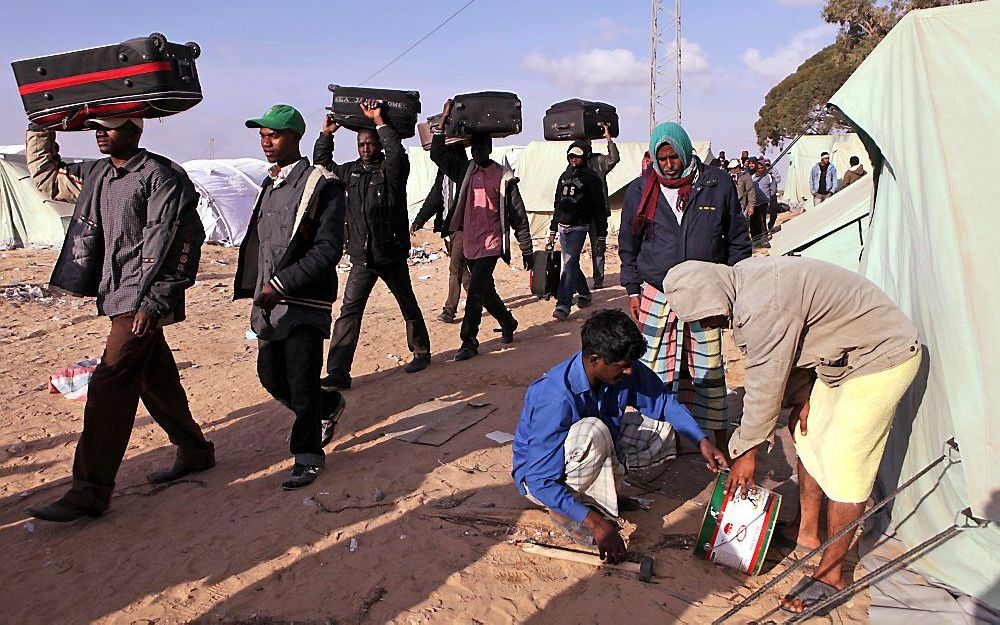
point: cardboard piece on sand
(436, 422)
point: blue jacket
(831, 179)
(713, 229)
(562, 397)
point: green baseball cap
(280, 117)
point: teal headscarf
(677, 137)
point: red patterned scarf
(650, 196)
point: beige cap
(114, 122)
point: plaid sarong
(673, 343)
(594, 465)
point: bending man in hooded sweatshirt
(487, 207)
(678, 210)
(797, 320)
(579, 201)
(575, 440)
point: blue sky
(255, 54)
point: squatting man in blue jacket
(574, 440)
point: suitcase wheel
(195, 49)
(159, 41)
(41, 71)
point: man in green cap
(680, 210)
(288, 264)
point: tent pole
(950, 445)
(971, 522)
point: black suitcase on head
(495, 113)
(426, 131)
(399, 108)
(579, 119)
(545, 269)
(142, 77)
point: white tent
(805, 153)
(228, 189)
(26, 218)
(833, 231)
(542, 162)
(927, 98)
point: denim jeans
(572, 280)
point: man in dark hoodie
(488, 205)
(578, 204)
(602, 164)
(680, 210)
(288, 263)
(378, 241)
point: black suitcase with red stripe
(143, 77)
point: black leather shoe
(301, 475)
(446, 318)
(335, 381)
(419, 363)
(62, 511)
(466, 353)
(329, 424)
(188, 461)
(507, 334)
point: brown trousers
(131, 368)
(458, 273)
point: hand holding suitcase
(144, 77)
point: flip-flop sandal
(811, 591)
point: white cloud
(595, 71)
(785, 60)
(607, 30)
(800, 3)
(590, 70)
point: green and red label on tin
(736, 532)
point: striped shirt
(124, 195)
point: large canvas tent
(833, 231)
(926, 102)
(228, 189)
(804, 154)
(26, 218)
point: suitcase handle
(563, 126)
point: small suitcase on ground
(495, 113)
(579, 119)
(399, 108)
(545, 268)
(142, 77)
(426, 131)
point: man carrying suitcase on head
(602, 164)
(488, 203)
(134, 242)
(288, 264)
(378, 241)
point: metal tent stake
(970, 522)
(950, 445)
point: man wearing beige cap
(134, 242)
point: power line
(418, 42)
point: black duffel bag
(579, 119)
(399, 108)
(494, 113)
(142, 77)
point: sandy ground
(431, 525)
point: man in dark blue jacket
(680, 210)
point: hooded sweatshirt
(791, 314)
(579, 197)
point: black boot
(62, 511)
(187, 461)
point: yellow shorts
(847, 430)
